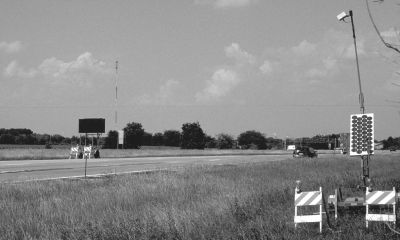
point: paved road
(15, 171)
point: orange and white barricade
(380, 198)
(74, 151)
(87, 150)
(308, 199)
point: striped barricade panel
(380, 198)
(74, 151)
(313, 198)
(308, 198)
(87, 151)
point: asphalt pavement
(33, 170)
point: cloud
(242, 57)
(304, 48)
(13, 69)
(80, 71)
(311, 62)
(226, 3)
(84, 66)
(221, 83)
(266, 67)
(166, 94)
(392, 35)
(228, 77)
(11, 47)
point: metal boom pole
(116, 100)
(361, 95)
(364, 159)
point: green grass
(249, 201)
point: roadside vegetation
(249, 201)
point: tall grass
(249, 201)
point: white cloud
(13, 69)
(221, 83)
(166, 94)
(304, 48)
(225, 79)
(266, 67)
(84, 65)
(80, 71)
(11, 47)
(392, 35)
(312, 62)
(226, 3)
(242, 57)
(350, 52)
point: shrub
(248, 138)
(225, 141)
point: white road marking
(17, 164)
(214, 160)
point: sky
(284, 68)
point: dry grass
(252, 201)
(63, 153)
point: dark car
(392, 149)
(305, 152)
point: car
(392, 149)
(305, 152)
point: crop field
(248, 201)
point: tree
(7, 139)
(210, 142)
(57, 139)
(172, 138)
(225, 141)
(158, 139)
(252, 138)
(133, 135)
(111, 140)
(193, 136)
(147, 139)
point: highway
(28, 170)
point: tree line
(28, 137)
(191, 136)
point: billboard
(361, 134)
(92, 125)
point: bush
(252, 138)
(172, 138)
(225, 141)
(210, 142)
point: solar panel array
(361, 134)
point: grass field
(32, 153)
(249, 201)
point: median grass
(249, 201)
(31, 153)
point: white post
(295, 209)
(366, 208)
(320, 211)
(336, 202)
